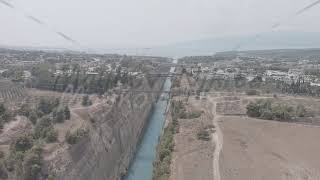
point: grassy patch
(190, 115)
(161, 167)
(203, 135)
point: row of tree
(5, 115)
(78, 79)
(265, 109)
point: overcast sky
(144, 23)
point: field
(258, 149)
(243, 148)
(10, 91)
(263, 149)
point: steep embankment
(114, 132)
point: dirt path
(217, 139)
(217, 136)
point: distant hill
(270, 40)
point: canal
(142, 165)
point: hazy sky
(144, 23)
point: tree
(3, 171)
(58, 115)
(42, 126)
(33, 117)
(75, 137)
(266, 114)
(24, 110)
(32, 164)
(23, 143)
(51, 135)
(67, 114)
(301, 111)
(253, 110)
(2, 109)
(282, 112)
(86, 101)
(252, 92)
(6, 116)
(44, 106)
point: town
(64, 111)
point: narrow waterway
(142, 165)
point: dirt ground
(268, 150)
(192, 158)
(243, 148)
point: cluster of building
(231, 73)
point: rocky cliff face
(113, 137)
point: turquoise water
(142, 165)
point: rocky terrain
(114, 134)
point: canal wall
(142, 165)
(106, 154)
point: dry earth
(269, 150)
(192, 158)
(244, 148)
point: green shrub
(2, 109)
(32, 164)
(14, 159)
(194, 114)
(86, 101)
(58, 115)
(23, 143)
(252, 92)
(75, 137)
(51, 135)
(1, 124)
(3, 171)
(46, 106)
(44, 129)
(266, 114)
(264, 109)
(67, 114)
(204, 135)
(1, 154)
(33, 117)
(43, 125)
(5, 115)
(61, 114)
(282, 112)
(24, 110)
(301, 111)
(253, 110)
(164, 153)
(162, 165)
(189, 115)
